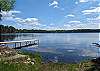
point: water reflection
(60, 47)
(7, 37)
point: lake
(60, 47)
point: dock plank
(17, 41)
(27, 43)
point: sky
(53, 14)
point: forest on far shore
(11, 29)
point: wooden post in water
(15, 45)
(37, 42)
(30, 42)
(26, 42)
(20, 44)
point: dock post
(30, 42)
(6, 45)
(33, 42)
(20, 44)
(38, 43)
(26, 42)
(15, 44)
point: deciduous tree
(6, 5)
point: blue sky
(54, 14)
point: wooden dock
(22, 43)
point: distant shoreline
(60, 31)
(11, 29)
(49, 32)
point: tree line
(11, 29)
(7, 29)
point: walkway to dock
(22, 43)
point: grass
(20, 66)
(59, 67)
(16, 67)
(39, 66)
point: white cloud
(76, 2)
(51, 24)
(74, 21)
(67, 26)
(81, 26)
(70, 15)
(86, 0)
(14, 12)
(54, 4)
(87, 13)
(92, 7)
(88, 26)
(70, 26)
(98, 18)
(83, 0)
(9, 15)
(95, 10)
(99, 4)
(19, 20)
(28, 21)
(62, 9)
(49, 28)
(94, 20)
(44, 25)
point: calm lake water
(60, 47)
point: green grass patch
(39, 66)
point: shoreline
(26, 64)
